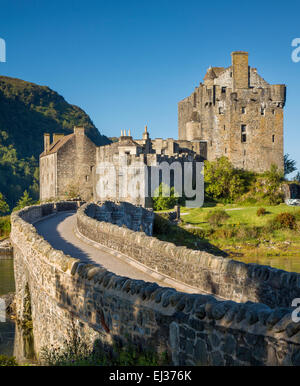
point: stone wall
(225, 278)
(124, 214)
(66, 294)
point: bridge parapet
(67, 295)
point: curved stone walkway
(59, 231)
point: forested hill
(27, 111)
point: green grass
(239, 215)
(246, 236)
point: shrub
(7, 361)
(166, 198)
(246, 233)
(4, 226)
(225, 233)
(223, 181)
(286, 220)
(161, 224)
(261, 212)
(217, 217)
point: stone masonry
(194, 329)
(237, 114)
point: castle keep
(234, 113)
(237, 114)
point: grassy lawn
(238, 215)
(279, 248)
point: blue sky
(127, 63)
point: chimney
(57, 137)
(78, 130)
(240, 70)
(46, 142)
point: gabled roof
(214, 72)
(54, 147)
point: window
(262, 111)
(224, 127)
(195, 99)
(243, 110)
(225, 150)
(273, 138)
(221, 110)
(223, 90)
(273, 111)
(243, 133)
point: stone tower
(238, 114)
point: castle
(237, 114)
(234, 113)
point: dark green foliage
(7, 361)
(166, 199)
(75, 352)
(4, 227)
(217, 217)
(261, 212)
(28, 111)
(25, 200)
(4, 208)
(289, 165)
(223, 181)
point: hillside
(27, 111)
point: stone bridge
(115, 284)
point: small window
(273, 138)
(243, 110)
(195, 99)
(243, 133)
(231, 74)
(262, 111)
(221, 110)
(223, 90)
(225, 150)
(273, 112)
(224, 127)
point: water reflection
(287, 263)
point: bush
(217, 217)
(161, 224)
(286, 220)
(7, 361)
(4, 227)
(166, 198)
(246, 233)
(223, 181)
(261, 212)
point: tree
(289, 165)
(4, 208)
(223, 180)
(25, 200)
(166, 197)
